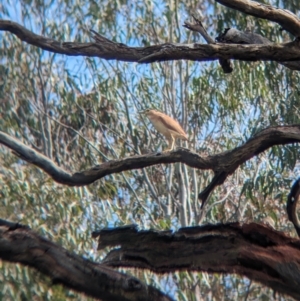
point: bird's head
(148, 112)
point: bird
(167, 126)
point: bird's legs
(171, 142)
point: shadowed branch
(256, 251)
(20, 244)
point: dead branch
(256, 251)
(20, 244)
(108, 50)
(222, 164)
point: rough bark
(286, 19)
(106, 49)
(20, 244)
(222, 164)
(232, 35)
(256, 251)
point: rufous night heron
(167, 126)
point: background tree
(83, 111)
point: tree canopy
(88, 197)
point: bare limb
(222, 164)
(256, 251)
(20, 244)
(32, 156)
(286, 19)
(210, 52)
(198, 27)
(291, 206)
(106, 49)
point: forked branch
(222, 164)
(198, 27)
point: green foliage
(84, 111)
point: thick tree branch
(20, 244)
(210, 52)
(256, 251)
(234, 36)
(106, 49)
(288, 21)
(222, 164)
(291, 206)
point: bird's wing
(171, 124)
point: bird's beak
(142, 112)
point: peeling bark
(19, 244)
(256, 251)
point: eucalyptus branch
(20, 244)
(256, 251)
(222, 164)
(108, 50)
(286, 19)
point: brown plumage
(167, 126)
